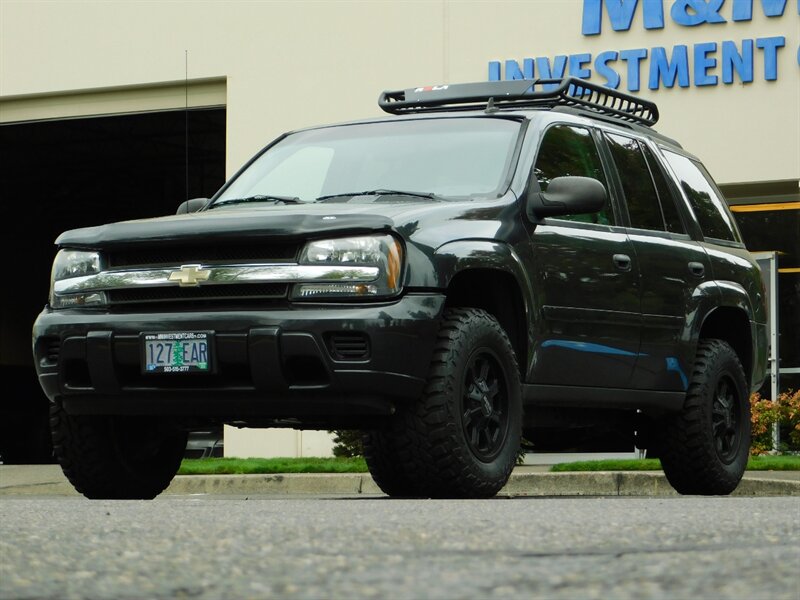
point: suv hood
(292, 221)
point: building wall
(293, 64)
(282, 65)
(276, 443)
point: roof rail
(521, 93)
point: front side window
(707, 203)
(449, 158)
(640, 194)
(568, 150)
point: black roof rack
(521, 93)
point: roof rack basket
(522, 93)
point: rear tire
(704, 448)
(461, 439)
(113, 457)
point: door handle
(697, 269)
(622, 262)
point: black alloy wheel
(725, 416)
(485, 405)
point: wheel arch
(731, 324)
(488, 275)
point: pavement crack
(620, 553)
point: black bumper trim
(263, 346)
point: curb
(286, 484)
(628, 483)
(598, 483)
(537, 484)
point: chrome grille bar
(217, 275)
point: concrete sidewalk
(526, 480)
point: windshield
(422, 159)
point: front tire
(388, 457)
(462, 437)
(705, 447)
(114, 457)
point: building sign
(702, 64)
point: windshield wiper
(259, 198)
(379, 193)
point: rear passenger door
(585, 277)
(672, 265)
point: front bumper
(279, 363)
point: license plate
(177, 352)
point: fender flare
(733, 296)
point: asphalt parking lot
(310, 547)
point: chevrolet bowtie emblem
(190, 275)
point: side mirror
(569, 195)
(190, 206)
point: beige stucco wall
(276, 443)
(293, 64)
(283, 65)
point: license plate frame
(165, 359)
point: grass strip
(756, 463)
(616, 464)
(766, 462)
(239, 466)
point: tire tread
(688, 455)
(422, 443)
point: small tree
(347, 443)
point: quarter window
(709, 207)
(568, 150)
(640, 194)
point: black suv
(494, 260)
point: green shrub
(765, 413)
(347, 443)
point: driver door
(586, 278)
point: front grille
(348, 346)
(136, 295)
(210, 253)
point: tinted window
(640, 193)
(708, 205)
(668, 207)
(567, 150)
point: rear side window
(668, 207)
(709, 207)
(640, 194)
(568, 150)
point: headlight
(381, 251)
(75, 263)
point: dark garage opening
(62, 174)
